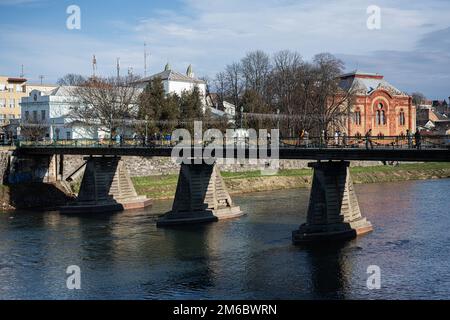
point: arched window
(381, 115)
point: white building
(175, 82)
(52, 109)
(221, 108)
(41, 87)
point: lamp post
(146, 129)
(278, 119)
(242, 117)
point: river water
(124, 255)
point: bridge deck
(377, 154)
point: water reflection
(329, 270)
(124, 255)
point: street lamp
(278, 119)
(146, 129)
(242, 117)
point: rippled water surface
(124, 255)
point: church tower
(190, 72)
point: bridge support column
(333, 212)
(106, 187)
(201, 197)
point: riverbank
(164, 187)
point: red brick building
(378, 106)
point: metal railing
(353, 142)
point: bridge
(201, 195)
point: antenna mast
(22, 74)
(94, 66)
(145, 59)
(118, 68)
(42, 78)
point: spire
(167, 68)
(190, 72)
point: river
(124, 255)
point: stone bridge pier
(333, 212)
(106, 186)
(201, 196)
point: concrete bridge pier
(201, 197)
(333, 212)
(106, 187)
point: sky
(411, 47)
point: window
(12, 103)
(402, 118)
(68, 135)
(43, 115)
(381, 115)
(35, 117)
(27, 115)
(3, 103)
(358, 118)
(10, 88)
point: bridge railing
(342, 142)
(378, 142)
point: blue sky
(412, 48)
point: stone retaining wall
(141, 166)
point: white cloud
(210, 34)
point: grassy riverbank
(163, 187)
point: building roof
(170, 75)
(366, 83)
(17, 80)
(61, 91)
(41, 85)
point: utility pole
(146, 55)
(42, 78)
(118, 68)
(94, 66)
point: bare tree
(418, 98)
(220, 85)
(71, 79)
(33, 130)
(107, 102)
(256, 69)
(327, 102)
(234, 82)
(283, 82)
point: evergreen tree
(170, 113)
(191, 108)
(151, 103)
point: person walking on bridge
(418, 138)
(409, 137)
(369, 139)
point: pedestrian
(301, 135)
(307, 138)
(409, 137)
(369, 139)
(418, 139)
(344, 139)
